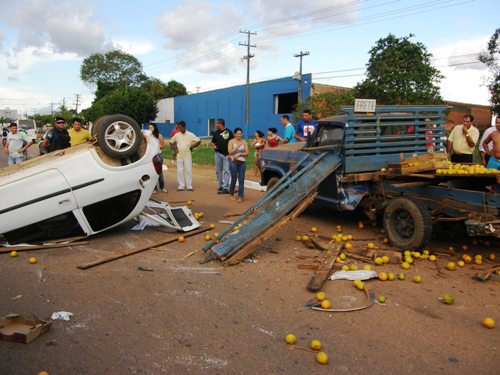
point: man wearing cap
(57, 138)
(14, 145)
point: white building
(9, 113)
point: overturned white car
(84, 189)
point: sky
(196, 42)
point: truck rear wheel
(407, 223)
(272, 181)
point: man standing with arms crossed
(462, 141)
(219, 143)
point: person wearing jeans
(219, 143)
(238, 151)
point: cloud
(198, 32)
(134, 47)
(66, 25)
(205, 35)
(461, 55)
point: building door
(211, 126)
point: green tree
(491, 58)
(329, 103)
(114, 68)
(175, 88)
(159, 90)
(131, 101)
(399, 72)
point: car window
(111, 211)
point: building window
(285, 103)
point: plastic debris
(62, 315)
(354, 275)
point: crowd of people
(231, 150)
(16, 142)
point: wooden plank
(250, 247)
(40, 247)
(325, 268)
(412, 184)
(111, 258)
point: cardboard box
(14, 327)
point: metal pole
(300, 55)
(248, 56)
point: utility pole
(248, 56)
(64, 103)
(52, 108)
(198, 89)
(78, 96)
(300, 55)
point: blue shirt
(289, 133)
(305, 128)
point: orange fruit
(322, 358)
(314, 229)
(208, 237)
(465, 247)
(325, 304)
(489, 323)
(13, 253)
(181, 239)
(32, 260)
(382, 276)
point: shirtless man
(494, 152)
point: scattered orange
(314, 229)
(489, 323)
(325, 304)
(181, 239)
(382, 276)
(32, 260)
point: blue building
(269, 100)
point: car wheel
(407, 223)
(97, 123)
(119, 136)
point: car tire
(407, 223)
(97, 123)
(119, 136)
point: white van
(29, 125)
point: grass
(204, 155)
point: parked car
(81, 190)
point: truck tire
(119, 136)
(272, 181)
(407, 223)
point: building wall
(165, 111)
(9, 113)
(481, 113)
(229, 103)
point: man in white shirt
(184, 141)
(17, 143)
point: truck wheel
(407, 223)
(119, 136)
(272, 181)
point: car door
(33, 199)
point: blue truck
(392, 164)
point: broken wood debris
(325, 268)
(111, 258)
(7, 250)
